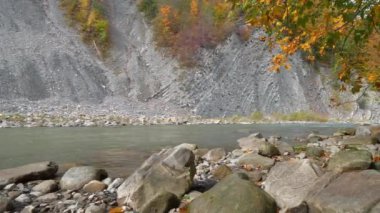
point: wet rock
(234, 193)
(10, 187)
(256, 161)
(95, 208)
(5, 204)
(314, 152)
(356, 191)
(269, 150)
(221, 172)
(46, 186)
(161, 203)
(35, 171)
(252, 142)
(107, 181)
(13, 194)
(363, 131)
(48, 198)
(350, 160)
(215, 155)
(94, 186)
(289, 182)
(23, 198)
(75, 178)
(170, 170)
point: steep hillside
(44, 64)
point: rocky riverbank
(338, 173)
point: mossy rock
(350, 160)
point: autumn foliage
(89, 17)
(346, 33)
(186, 26)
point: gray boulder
(355, 192)
(269, 150)
(221, 172)
(234, 193)
(255, 160)
(170, 170)
(48, 198)
(289, 182)
(75, 178)
(350, 160)
(215, 155)
(252, 142)
(358, 141)
(46, 186)
(161, 203)
(35, 171)
(363, 131)
(314, 152)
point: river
(120, 150)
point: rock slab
(29, 172)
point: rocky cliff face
(43, 61)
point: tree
(345, 32)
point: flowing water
(120, 150)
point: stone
(94, 186)
(13, 194)
(234, 193)
(289, 182)
(199, 153)
(10, 187)
(161, 203)
(284, 147)
(221, 172)
(268, 150)
(23, 198)
(350, 160)
(256, 161)
(75, 178)
(254, 176)
(115, 183)
(29, 209)
(46, 186)
(5, 204)
(314, 152)
(215, 155)
(356, 191)
(193, 194)
(92, 208)
(252, 142)
(22, 174)
(302, 208)
(171, 170)
(48, 198)
(107, 181)
(363, 131)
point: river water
(120, 150)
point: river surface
(120, 150)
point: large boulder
(358, 141)
(234, 193)
(255, 161)
(289, 182)
(350, 160)
(34, 171)
(252, 142)
(355, 192)
(75, 178)
(170, 170)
